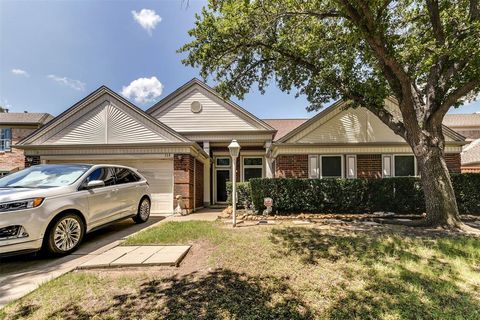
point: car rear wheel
(65, 235)
(143, 211)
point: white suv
(53, 206)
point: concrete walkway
(22, 274)
(138, 256)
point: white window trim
(243, 166)
(354, 156)
(317, 175)
(319, 165)
(392, 164)
(415, 169)
(223, 166)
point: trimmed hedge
(243, 192)
(399, 195)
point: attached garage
(159, 174)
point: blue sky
(54, 53)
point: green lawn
(277, 272)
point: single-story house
(467, 125)
(14, 126)
(180, 143)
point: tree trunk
(440, 202)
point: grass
(277, 272)
(174, 232)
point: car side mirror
(95, 184)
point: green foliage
(326, 49)
(399, 195)
(243, 192)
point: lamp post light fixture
(234, 149)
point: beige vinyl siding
(214, 116)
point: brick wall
(185, 178)
(14, 160)
(369, 166)
(453, 162)
(291, 166)
(198, 184)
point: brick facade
(187, 175)
(198, 184)
(369, 166)
(454, 162)
(14, 160)
(291, 166)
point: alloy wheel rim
(67, 234)
(144, 209)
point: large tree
(424, 53)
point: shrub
(399, 195)
(243, 192)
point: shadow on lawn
(216, 295)
(405, 286)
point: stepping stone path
(135, 256)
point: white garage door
(159, 174)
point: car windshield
(44, 176)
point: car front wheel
(65, 235)
(143, 211)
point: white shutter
(387, 165)
(351, 166)
(313, 167)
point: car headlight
(20, 204)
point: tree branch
(474, 10)
(453, 98)
(437, 27)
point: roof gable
(339, 124)
(216, 114)
(103, 117)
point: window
(44, 176)
(404, 166)
(223, 162)
(313, 167)
(331, 166)
(351, 166)
(126, 176)
(6, 139)
(106, 174)
(252, 168)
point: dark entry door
(222, 177)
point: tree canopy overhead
(329, 49)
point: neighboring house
(180, 143)
(469, 126)
(13, 128)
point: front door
(222, 176)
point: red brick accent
(291, 166)
(14, 160)
(198, 184)
(454, 162)
(184, 179)
(369, 166)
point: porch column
(268, 160)
(206, 176)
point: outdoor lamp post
(234, 148)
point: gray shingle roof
(283, 126)
(471, 153)
(462, 120)
(24, 118)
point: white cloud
(20, 72)
(147, 19)
(143, 90)
(72, 83)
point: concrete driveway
(20, 275)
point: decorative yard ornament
(180, 209)
(268, 203)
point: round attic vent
(196, 106)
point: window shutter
(313, 167)
(351, 166)
(387, 166)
